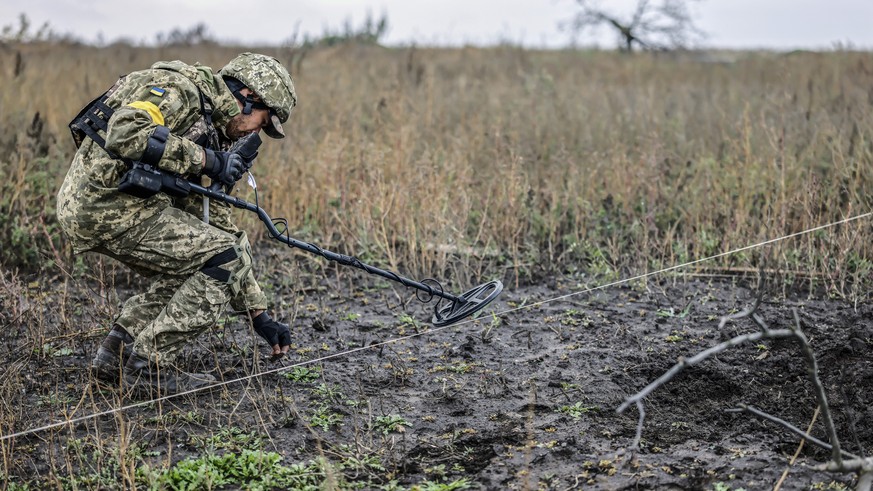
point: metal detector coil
(468, 303)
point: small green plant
(674, 337)
(461, 367)
(54, 399)
(831, 486)
(303, 374)
(352, 316)
(355, 461)
(574, 318)
(437, 470)
(230, 438)
(393, 422)
(486, 330)
(254, 470)
(672, 313)
(720, 486)
(48, 350)
(576, 410)
(99, 465)
(176, 416)
(408, 322)
(462, 483)
(329, 392)
(324, 418)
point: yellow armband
(151, 109)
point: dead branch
(862, 466)
(852, 465)
(759, 297)
(865, 481)
(812, 371)
(743, 408)
(642, 410)
(687, 362)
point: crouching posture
(181, 119)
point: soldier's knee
(232, 265)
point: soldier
(182, 119)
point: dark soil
(518, 400)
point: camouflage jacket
(91, 210)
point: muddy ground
(518, 400)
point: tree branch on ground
(841, 460)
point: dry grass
(539, 161)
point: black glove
(247, 148)
(225, 167)
(249, 159)
(275, 333)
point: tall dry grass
(466, 161)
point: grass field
(534, 161)
(458, 164)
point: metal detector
(459, 307)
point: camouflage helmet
(270, 81)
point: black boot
(112, 354)
(143, 376)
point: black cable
(436, 308)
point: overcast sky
(779, 24)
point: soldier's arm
(174, 105)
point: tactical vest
(142, 178)
(94, 118)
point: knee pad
(232, 265)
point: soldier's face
(243, 124)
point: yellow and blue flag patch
(157, 91)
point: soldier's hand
(249, 160)
(225, 167)
(277, 335)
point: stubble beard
(232, 129)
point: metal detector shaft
(332, 256)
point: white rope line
(696, 261)
(430, 331)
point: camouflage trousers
(170, 248)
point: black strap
(155, 146)
(107, 111)
(210, 138)
(247, 101)
(88, 122)
(93, 118)
(211, 267)
(84, 126)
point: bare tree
(657, 25)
